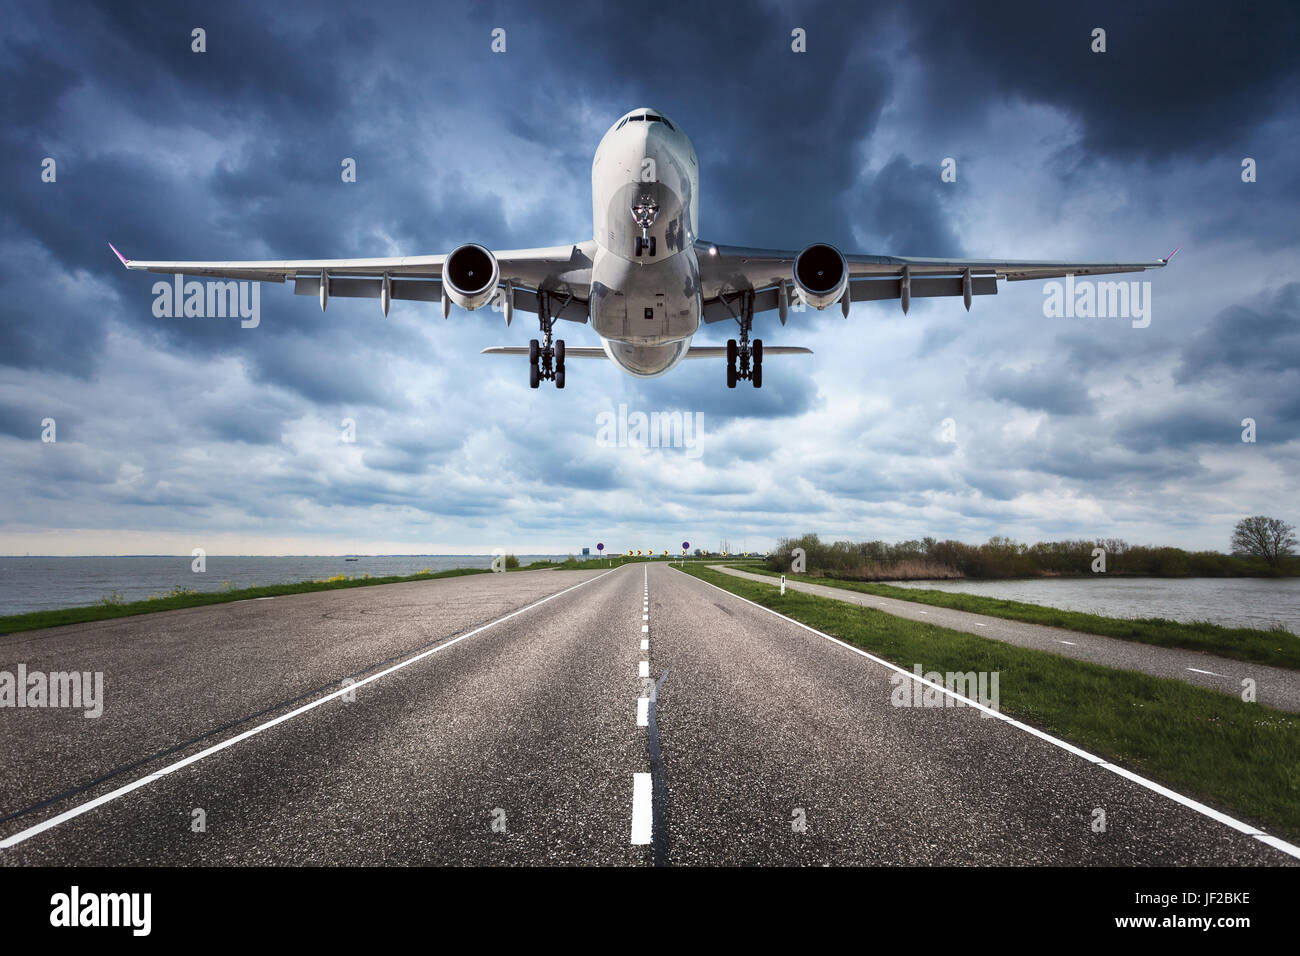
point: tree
(1269, 538)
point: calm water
(1240, 602)
(37, 584)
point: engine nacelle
(821, 275)
(470, 274)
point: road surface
(507, 719)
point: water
(39, 584)
(1233, 602)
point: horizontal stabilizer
(695, 352)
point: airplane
(645, 281)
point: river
(38, 584)
(1234, 602)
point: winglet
(119, 255)
(1170, 256)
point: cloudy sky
(181, 433)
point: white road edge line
(1277, 843)
(144, 781)
(641, 807)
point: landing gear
(546, 360)
(644, 212)
(744, 362)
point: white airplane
(645, 281)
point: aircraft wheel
(732, 352)
(534, 375)
(534, 351)
(559, 354)
(559, 377)
(756, 376)
(756, 361)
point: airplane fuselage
(646, 299)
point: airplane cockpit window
(664, 120)
(620, 125)
(635, 118)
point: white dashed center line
(1211, 673)
(641, 788)
(643, 783)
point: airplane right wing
(470, 276)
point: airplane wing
(563, 272)
(727, 273)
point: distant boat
(351, 559)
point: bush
(511, 562)
(1001, 557)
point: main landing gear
(744, 361)
(546, 360)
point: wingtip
(119, 255)
(1170, 256)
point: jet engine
(469, 275)
(821, 275)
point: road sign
(600, 546)
(685, 545)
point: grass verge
(1241, 758)
(1277, 647)
(108, 608)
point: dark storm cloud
(1195, 423)
(1258, 340)
(1175, 79)
(905, 202)
(1042, 388)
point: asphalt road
(1275, 687)
(499, 719)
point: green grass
(113, 606)
(1242, 758)
(1277, 647)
